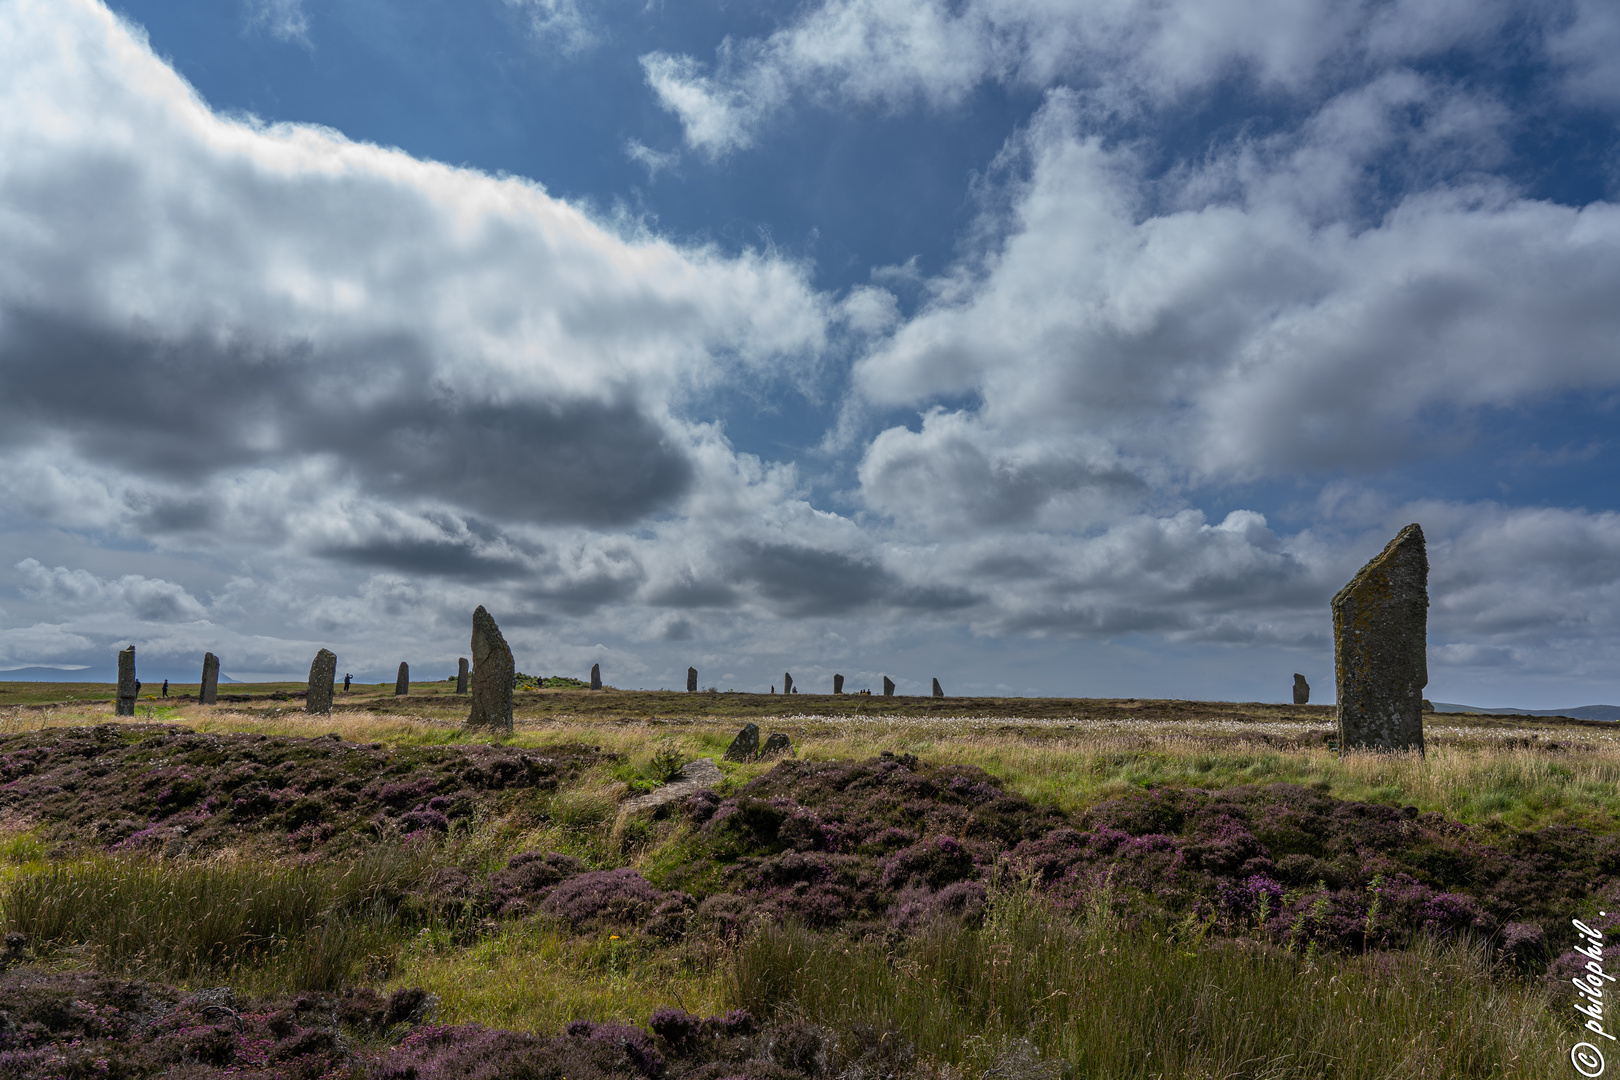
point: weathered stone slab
(691, 680)
(745, 745)
(208, 692)
(888, 686)
(596, 676)
(776, 745)
(402, 683)
(128, 687)
(461, 676)
(937, 691)
(838, 684)
(1302, 690)
(693, 778)
(1380, 648)
(787, 682)
(322, 674)
(493, 674)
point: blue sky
(1041, 347)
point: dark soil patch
(163, 788)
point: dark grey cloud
(184, 410)
(797, 580)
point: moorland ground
(940, 887)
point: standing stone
(1380, 628)
(402, 684)
(937, 691)
(322, 674)
(461, 676)
(838, 684)
(691, 680)
(128, 688)
(493, 675)
(888, 686)
(776, 745)
(787, 682)
(1302, 690)
(208, 692)
(596, 676)
(745, 745)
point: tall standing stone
(596, 676)
(691, 680)
(208, 692)
(787, 682)
(1380, 639)
(493, 675)
(888, 686)
(402, 683)
(322, 674)
(937, 691)
(838, 684)
(461, 676)
(1302, 690)
(127, 691)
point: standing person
(346, 679)
(165, 687)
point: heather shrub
(614, 896)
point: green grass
(261, 925)
(1110, 1005)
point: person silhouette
(346, 678)
(165, 687)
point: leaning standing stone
(691, 680)
(493, 674)
(745, 745)
(461, 676)
(126, 683)
(1302, 690)
(596, 676)
(402, 684)
(1380, 628)
(937, 691)
(888, 686)
(787, 682)
(838, 684)
(208, 692)
(322, 674)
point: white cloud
(561, 22)
(285, 20)
(896, 53)
(146, 599)
(1263, 332)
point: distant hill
(1584, 712)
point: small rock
(776, 745)
(745, 745)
